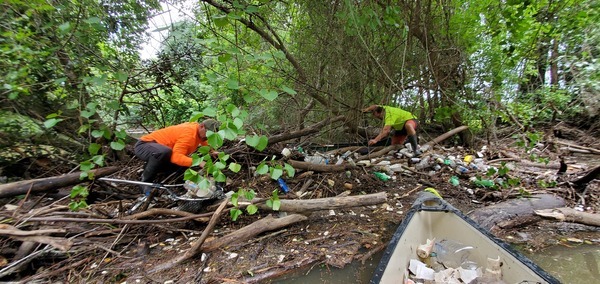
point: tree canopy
(72, 76)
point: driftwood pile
(39, 228)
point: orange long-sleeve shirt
(182, 139)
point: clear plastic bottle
(453, 254)
(316, 160)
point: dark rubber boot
(413, 142)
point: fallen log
(513, 212)
(49, 183)
(446, 135)
(266, 224)
(379, 153)
(585, 149)
(315, 128)
(9, 230)
(566, 214)
(308, 205)
(588, 177)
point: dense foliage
(72, 76)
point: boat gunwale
(444, 206)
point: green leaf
(87, 113)
(214, 139)
(249, 194)
(52, 122)
(262, 169)
(98, 160)
(64, 27)
(190, 174)
(234, 198)
(288, 90)
(121, 134)
(220, 20)
(291, 171)
(276, 205)
(92, 20)
(121, 76)
(212, 77)
(276, 172)
(86, 166)
(233, 84)
(234, 213)
(79, 190)
(196, 116)
(251, 209)
(262, 143)
(224, 57)
(253, 140)
(211, 112)
(235, 111)
(235, 167)
(76, 205)
(251, 9)
(220, 177)
(97, 133)
(269, 95)
(238, 123)
(93, 148)
(117, 145)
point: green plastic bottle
(454, 181)
(381, 176)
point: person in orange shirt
(171, 146)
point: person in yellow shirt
(400, 123)
(171, 146)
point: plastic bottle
(381, 176)
(462, 170)
(452, 254)
(316, 160)
(190, 186)
(423, 164)
(454, 181)
(283, 185)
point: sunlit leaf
(220, 20)
(291, 171)
(121, 76)
(52, 122)
(253, 140)
(276, 173)
(117, 145)
(251, 209)
(93, 148)
(234, 213)
(98, 160)
(262, 169)
(288, 90)
(224, 57)
(235, 167)
(210, 112)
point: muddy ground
(116, 253)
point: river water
(569, 264)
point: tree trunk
(50, 183)
(329, 203)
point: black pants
(157, 157)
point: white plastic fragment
(420, 270)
